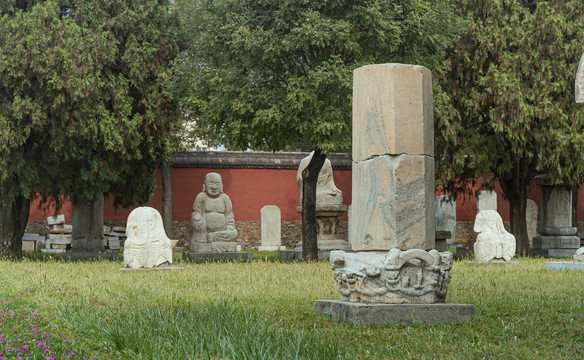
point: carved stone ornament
(413, 276)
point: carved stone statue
(326, 191)
(212, 218)
(413, 276)
(493, 241)
(147, 244)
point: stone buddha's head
(213, 186)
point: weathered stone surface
(217, 246)
(564, 265)
(55, 220)
(399, 277)
(327, 192)
(580, 81)
(446, 216)
(60, 236)
(553, 253)
(393, 203)
(147, 244)
(31, 237)
(360, 314)
(95, 255)
(60, 229)
(297, 254)
(118, 229)
(195, 256)
(556, 242)
(392, 111)
(271, 228)
(28, 245)
(493, 241)
(486, 200)
(531, 219)
(212, 217)
(556, 209)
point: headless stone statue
(493, 241)
(147, 244)
(212, 218)
(326, 191)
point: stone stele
(147, 245)
(493, 241)
(271, 228)
(393, 158)
(486, 200)
(399, 277)
(580, 82)
(212, 220)
(446, 216)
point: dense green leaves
(83, 109)
(269, 74)
(510, 112)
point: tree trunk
(87, 224)
(166, 199)
(309, 180)
(517, 216)
(13, 220)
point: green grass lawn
(263, 309)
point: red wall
(251, 189)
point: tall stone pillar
(394, 264)
(393, 158)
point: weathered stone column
(394, 274)
(393, 158)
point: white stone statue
(326, 191)
(493, 241)
(147, 244)
(413, 276)
(212, 216)
(579, 255)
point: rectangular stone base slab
(361, 314)
(297, 255)
(164, 268)
(494, 262)
(194, 256)
(564, 265)
(271, 248)
(93, 255)
(553, 253)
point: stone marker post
(271, 228)
(394, 274)
(393, 158)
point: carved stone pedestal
(327, 227)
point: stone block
(60, 229)
(55, 220)
(271, 227)
(393, 203)
(360, 314)
(59, 237)
(564, 265)
(297, 255)
(93, 255)
(119, 229)
(28, 245)
(32, 237)
(53, 251)
(392, 111)
(486, 200)
(441, 245)
(553, 253)
(113, 243)
(556, 242)
(270, 248)
(217, 246)
(106, 230)
(58, 242)
(195, 256)
(446, 216)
